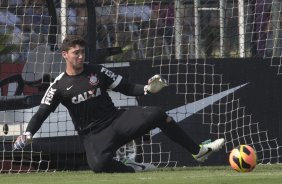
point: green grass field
(263, 174)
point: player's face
(75, 57)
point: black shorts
(100, 147)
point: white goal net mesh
(177, 38)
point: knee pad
(97, 167)
(155, 115)
(97, 164)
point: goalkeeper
(103, 128)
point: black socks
(177, 134)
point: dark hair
(71, 41)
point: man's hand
(155, 84)
(23, 140)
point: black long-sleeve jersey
(86, 98)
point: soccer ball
(243, 158)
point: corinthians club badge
(93, 80)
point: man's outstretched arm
(155, 84)
(33, 126)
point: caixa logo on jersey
(86, 95)
(48, 96)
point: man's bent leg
(100, 149)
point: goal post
(191, 43)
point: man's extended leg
(137, 121)
(149, 118)
(171, 129)
(199, 152)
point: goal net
(186, 42)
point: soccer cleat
(207, 148)
(139, 167)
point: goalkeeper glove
(23, 140)
(155, 84)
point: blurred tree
(6, 48)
